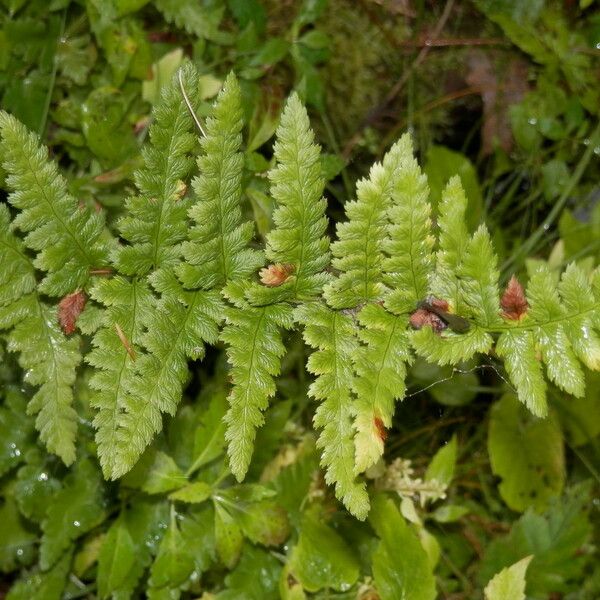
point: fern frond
(466, 276)
(128, 304)
(254, 351)
(299, 236)
(148, 342)
(331, 333)
(48, 358)
(409, 247)
(217, 250)
(156, 218)
(66, 237)
(380, 365)
(548, 316)
(358, 252)
(524, 369)
(453, 238)
(479, 280)
(579, 302)
(176, 330)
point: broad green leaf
(527, 453)
(322, 559)
(228, 537)
(509, 583)
(441, 467)
(556, 538)
(17, 539)
(263, 522)
(73, 511)
(401, 567)
(442, 164)
(193, 493)
(254, 578)
(15, 430)
(164, 475)
(116, 558)
(43, 585)
(173, 563)
(162, 72)
(209, 439)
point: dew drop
(532, 121)
(19, 551)
(43, 477)
(76, 524)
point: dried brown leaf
(513, 302)
(69, 309)
(275, 275)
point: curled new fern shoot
(136, 303)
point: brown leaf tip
(381, 430)
(513, 302)
(275, 275)
(69, 309)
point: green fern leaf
(548, 314)
(380, 365)
(358, 252)
(453, 239)
(156, 218)
(127, 304)
(297, 186)
(409, 247)
(479, 280)
(65, 237)
(450, 348)
(254, 350)
(217, 251)
(524, 369)
(47, 356)
(583, 311)
(332, 335)
(176, 330)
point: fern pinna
(399, 281)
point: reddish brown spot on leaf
(69, 309)
(514, 303)
(275, 275)
(381, 430)
(441, 304)
(422, 317)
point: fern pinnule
(217, 250)
(380, 364)
(176, 329)
(409, 247)
(298, 238)
(155, 222)
(127, 305)
(47, 356)
(332, 335)
(358, 251)
(453, 238)
(254, 350)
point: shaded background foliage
(504, 93)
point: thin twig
(189, 105)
